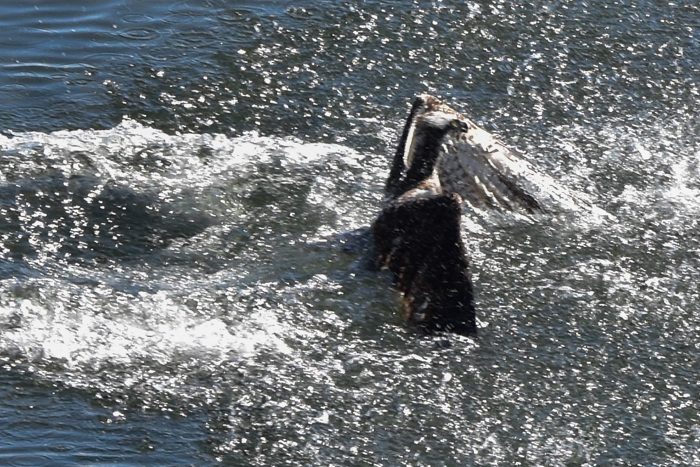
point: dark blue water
(172, 179)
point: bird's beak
(410, 146)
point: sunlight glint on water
(174, 289)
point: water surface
(173, 177)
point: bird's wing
(486, 173)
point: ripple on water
(136, 18)
(23, 36)
(139, 34)
(22, 459)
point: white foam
(151, 327)
(82, 318)
(186, 159)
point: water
(173, 180)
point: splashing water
(173, 289)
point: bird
(417, 235)
(443, 162)
(479, 167)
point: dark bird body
(417, 235)
(419, 241)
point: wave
(130, 255)
(133, 189)
(129, 245)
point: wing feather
(486, 173)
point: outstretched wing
(488, 174)
(419, 240)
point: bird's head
(429, 131)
